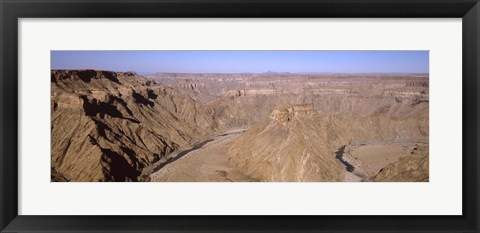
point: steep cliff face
(293, 146)
(108, 126)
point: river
(339, 156)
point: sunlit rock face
(292, 146)
(109, 126)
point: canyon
(245, 127)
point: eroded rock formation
(108, 126)
(293, 146)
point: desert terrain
(245, 127)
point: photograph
(239, 115)
(245, 116)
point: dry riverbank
(205, 163)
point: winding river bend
(339, 156)
(206, 161)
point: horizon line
(246, 72)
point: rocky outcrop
(57, 177)
(407, 169)
(293, 146)
(109, 126)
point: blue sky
(198, 61)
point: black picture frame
(11, 11)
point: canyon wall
(108, 126)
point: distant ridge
(293, 73)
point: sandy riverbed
(209, 163)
